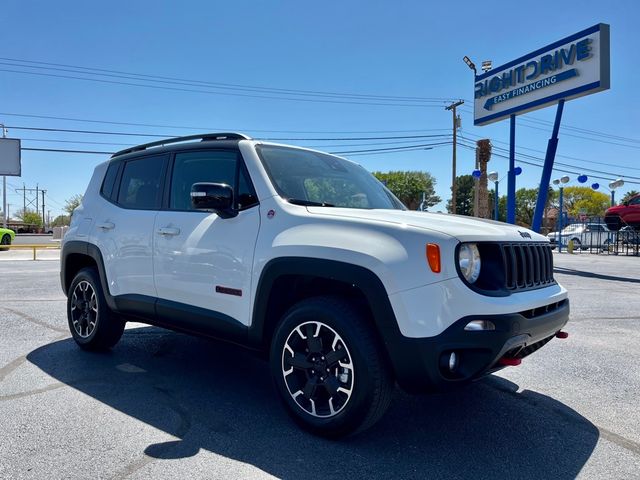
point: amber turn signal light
(433, 257)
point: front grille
(527, 265)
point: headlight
(469, 261)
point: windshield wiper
(308, 203)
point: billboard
(569, 68)
(10, 157)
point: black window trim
(240, 164)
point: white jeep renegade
(307, 258)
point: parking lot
(166, 405)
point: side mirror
(217, 197)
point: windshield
(312, 178)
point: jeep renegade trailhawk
(309, 259)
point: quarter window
(141, 182)
(110, 180)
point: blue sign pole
(511, 177)
(613, 198)
(549, 158)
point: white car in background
(583, 235)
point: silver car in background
(583, 235)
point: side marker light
(433, 257)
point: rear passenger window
(140, 186)
(214, 166)
(110, 180)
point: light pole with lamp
(493, 177)
(560, 182)
(612, 187)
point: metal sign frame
(487, 94)
(10, 157)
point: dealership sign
(569, 68)
(10, 157)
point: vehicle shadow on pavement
(219, 398)
(599, 276)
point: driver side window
(212, 166)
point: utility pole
(4, 187)
(44, 224)
(454, 188)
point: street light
(470, 64)
(493, 177)
(560, 182)
(612, 187)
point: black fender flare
(78, 247)
(365, 280)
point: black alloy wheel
(91, 323)
(329, 367)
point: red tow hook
(510, 362)
(562, 334)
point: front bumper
(421, 365)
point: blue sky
(400, 48)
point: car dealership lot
(162, 404)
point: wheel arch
(77, 255)
(285, 281)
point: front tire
(92, 324)
(329, 368)
(5, 240)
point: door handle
(106, 226)
(168, 231)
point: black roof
(224, 137)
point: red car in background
(626, 214)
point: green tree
(409, 187)
(60, 221)
(526, 199)
(29, 217)
(629, 195)
(579, 200)
(72, 203)
(465, 185)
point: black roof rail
(204, 137)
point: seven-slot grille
(527, 265)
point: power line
(209, 92)
(393, 148)
(524, 123)
(315, 139)
(139, 76)
(565, 127)
(212, 129)
(557, 155)
(66, 151)
(573, 172)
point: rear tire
(92, 324)
(329, 368)
(614, 222)
(6, 240)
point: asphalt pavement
(33, 239)
(166, 405)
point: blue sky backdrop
(382, 49)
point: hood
(465, 229)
